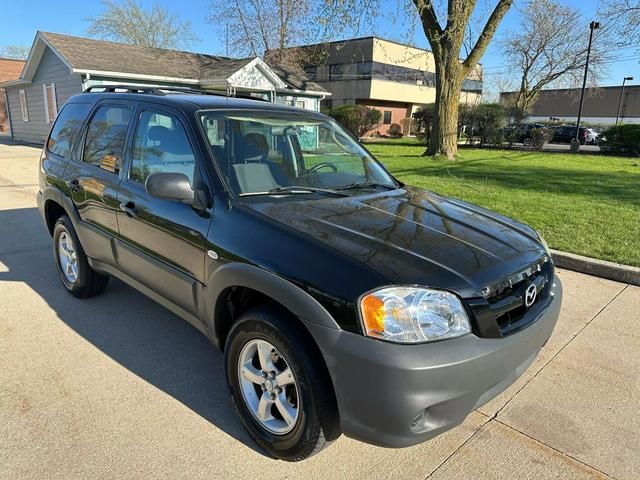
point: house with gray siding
(60, 66)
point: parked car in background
(564, 134)
(592, 136)
(521, 133)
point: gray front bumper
(399, 395)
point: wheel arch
(55, 204)
(256, 286)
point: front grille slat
(503, 310)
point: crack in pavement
(28, 250)
(489, 419)
(16, 186)
(564, 454)
(494, 417)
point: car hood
(412, 236)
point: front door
(162, 242)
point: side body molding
(299, 302)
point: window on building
(105, 137)
(301, 104)
(161, 145)
(337, 71)
(23, 105)
(50, 103)
(386, 117)
(311, 71)
(364, 70)
(66, 128)
(290, 103)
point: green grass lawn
(585, 204)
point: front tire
(279, 387)
(77, 276)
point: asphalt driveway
(118, 387)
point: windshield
(271, 153)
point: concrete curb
(598, 268)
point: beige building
(392, 77)
(600, 105)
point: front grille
(504, 310)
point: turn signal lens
(413, 315)
(373, 314)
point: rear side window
(105, 138)
(65, 131)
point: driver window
(161, 145)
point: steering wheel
(317, 167)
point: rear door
(162, 242)
(93, 178)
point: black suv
(521, 133)
(565, 133)
(344, 300)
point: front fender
(299, 302)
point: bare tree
(545, 50)
(17, 52)
(127, 21)
(624, 18)
(446, 43)
(272, 27)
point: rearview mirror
(170, 186)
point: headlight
(413, 315)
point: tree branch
(430, 24)
(487, 34)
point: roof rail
(161, 91)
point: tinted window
(66, 128)
(105, 137)
(161, 145)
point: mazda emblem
(530, 295)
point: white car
(592, 136)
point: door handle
(74, 185)
(129, 208)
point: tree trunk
(444, 136)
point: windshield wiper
(354, 185)
(294, 189)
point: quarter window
(66, 128)
(105, 137)
(161, 145)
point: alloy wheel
(269, 387)
(67, 257)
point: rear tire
(310, 404)
(77, 276)
(527, 142)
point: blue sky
(20, 20)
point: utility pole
(621, 95)
(592, 26)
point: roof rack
(161, 91)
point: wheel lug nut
(264, 374)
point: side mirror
(170, 186)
